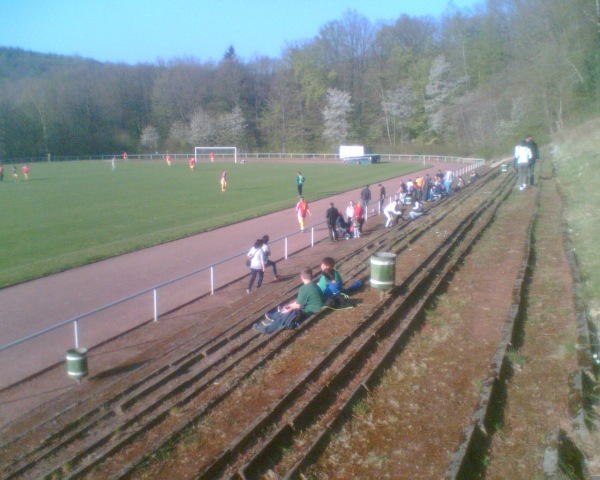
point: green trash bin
(77, 366)
(504, 167)
(383, 270)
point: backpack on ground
(339, 301)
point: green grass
(72, 213)
(577, 162)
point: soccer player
(301, 210)
(168, 159)
(300, 179)
(224, 180)
(192, 163)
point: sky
(146, 31)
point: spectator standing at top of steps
(535, 155)
(522, 156)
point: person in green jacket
(308, 302)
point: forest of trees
(470, 82)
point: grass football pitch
(72, 213)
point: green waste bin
(77, 366)
(383, 270)
(504, 167)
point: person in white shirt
(522, 157)
(350, 212)
(391, 212)
(256, 263)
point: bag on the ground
(248, 263)
(339, 301)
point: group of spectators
(411, 193)
(428, 189)
(310, 299)
(345, 227)
(414, 193)
(312, 295)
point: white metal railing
(473, 164)
(246, 155)
(211, 268)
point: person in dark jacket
(381, 197)
(331, 215)
(535, 155)
(365, 197)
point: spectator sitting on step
(331, 281)
(309, 301)
(436, 190)
(416, 211)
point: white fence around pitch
(318, 232)
(242, 156)
(154, 290)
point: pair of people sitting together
(310, 299)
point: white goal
(200, 152)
